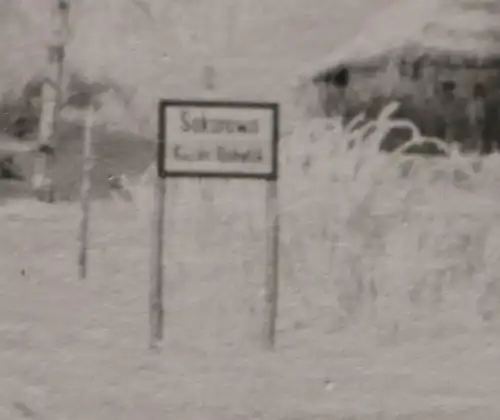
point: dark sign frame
(164, 172)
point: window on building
(479, 91)
(416, 70)
(403, 67)
(339, 78)
(448, 87)
(410, 69)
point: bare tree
(52, 97)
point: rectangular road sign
(218, 139)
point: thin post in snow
(271, 287)
(156, 268)
(85, 192)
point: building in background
(434, 56)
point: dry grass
(403, 241)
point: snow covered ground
(78, 350)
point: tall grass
(397, 244)
(402, 241)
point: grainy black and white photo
(249, 209)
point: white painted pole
(43, 183)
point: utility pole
(52, 97)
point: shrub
(402, 238)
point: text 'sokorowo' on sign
(218, 139)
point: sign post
(217, 139)
(156, 286)
(271, 291)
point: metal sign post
(217, 139)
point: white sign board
(218, 139)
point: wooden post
(476, 114)
(428, 83)
(271, 287)
(156, 268)
(342, 110)
(449, 109)
(85, 192)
